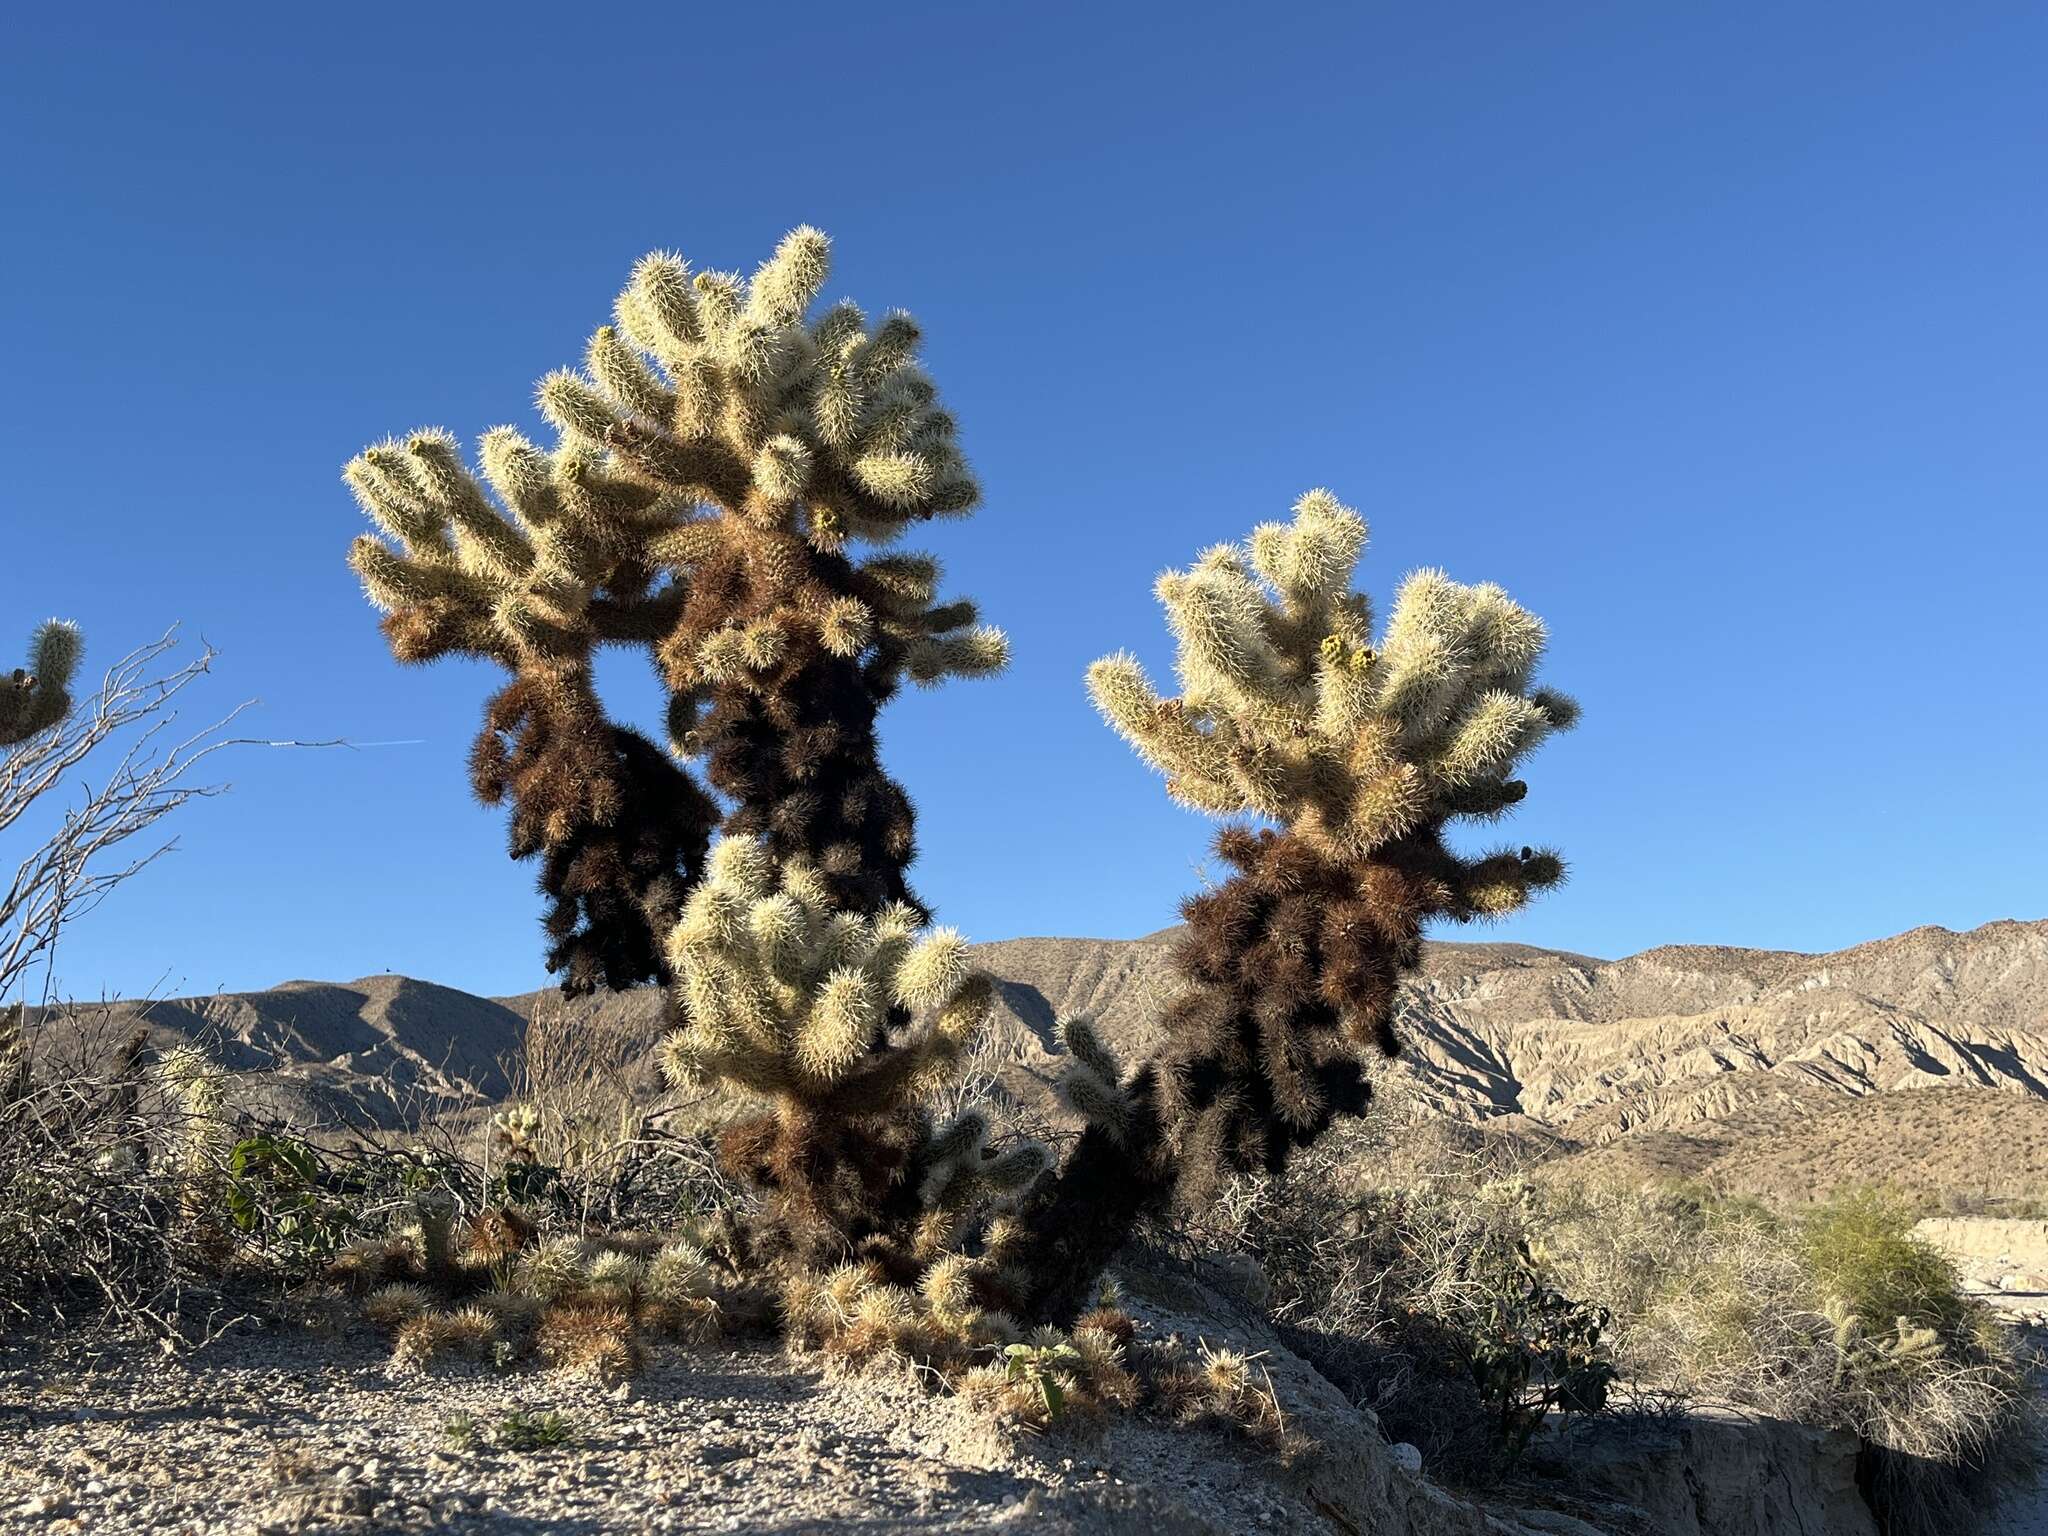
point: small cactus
(782, 993)
(36, 697)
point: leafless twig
(133, 714)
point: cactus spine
(1359, 755)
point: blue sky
(1716, 333)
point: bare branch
(132, 714)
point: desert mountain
(381, 1051)
(1766, 1070)
(1680, 1059)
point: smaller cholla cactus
(515, 1133)
(1357, 754)
(198, 1098)
(818, 1010)
(14, 1079)
(36, 697)
(1863, 1354)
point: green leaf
(1055, 1397)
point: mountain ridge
(1697, 1054)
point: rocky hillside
(384, 1050)
(1599, 1049)
(1767, 1070)
(1683, 1060)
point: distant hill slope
(1600, 1048)
(1680, 1059)
(383, 1050)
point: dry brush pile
(94, 1150)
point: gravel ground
(284, 1432)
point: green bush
(276, 1197)
(1863, 1254)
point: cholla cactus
(36, 697)
(1866, 1354)
(802, 437)
(1360, 753)
(196, 1094)
(712, 466)
(815, 1008)
(14, 1068)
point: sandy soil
(279, 1433)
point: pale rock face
(1677, 1040)
(1710, 1474)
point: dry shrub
(1836, 1316)
(1425, 1303)
(582, 1066)
(108, 1166)
(587, 1133)
(979, 1086)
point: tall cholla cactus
(36, 697)
(817, 1009)
(1289, 712)
(1360, 754)
(798, 437)
(711, 468)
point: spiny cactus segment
(847, 1024)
